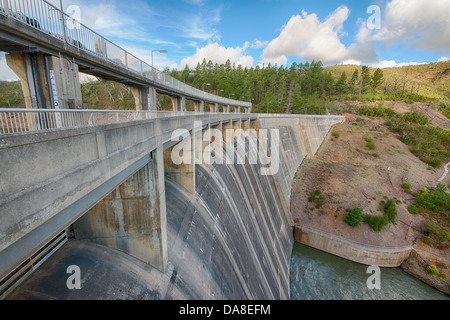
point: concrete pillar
(67, 82)
(178, 103)
(202, 106)
(32, 71)
(47, 82)
(141, 98)
(152, 99)
(175, 107)
(133, 217)
(179, 163)
(216, 107)
(237, 109)
(245, 124)
(183, 104)
(228, 109)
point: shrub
(376, 223)
(434, 200)
(375, 155)
(336, 134)
(390, 210)
(432, 270)
(413, 209)
(354, 217)
(370, 146)
(406, 186)
(435, 163)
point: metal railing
(49, 19)
(14, 120)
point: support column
(152, 97)
(141, 98)
(216, 107)
(67, 80)
(32, 71)
(228, 109)
(179, 163)
(178, 103)
(202, 106)
(133, 217)
(47, 82)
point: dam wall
(231, 239)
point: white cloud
(219, 54)
(424, 23)
(258, 44)
(308, 38)
(394, 64)
(443, 59)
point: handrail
(18, 120)
(49, 19)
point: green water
(316, 275)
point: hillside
(363, 164)
(429, 80)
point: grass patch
(317, 198)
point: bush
(370, 146)
(390, 210)
(406, 186)
(432, 270)
(354, 217)
(413, 209)
(376, 223)
(336, 134)
(434, 200)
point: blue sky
(257, 32)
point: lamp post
(159, 51)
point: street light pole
(159, 51)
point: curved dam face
(232, 239)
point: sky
(377, 33)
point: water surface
(316, 275)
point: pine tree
(377, 79)
(341, 85)
(354, 80)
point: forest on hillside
(312, 88)
(302, 88)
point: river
(316, 275)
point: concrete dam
(229, 229)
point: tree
(377, 79)
(365, 79)
(354, 80)
(341, 85)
